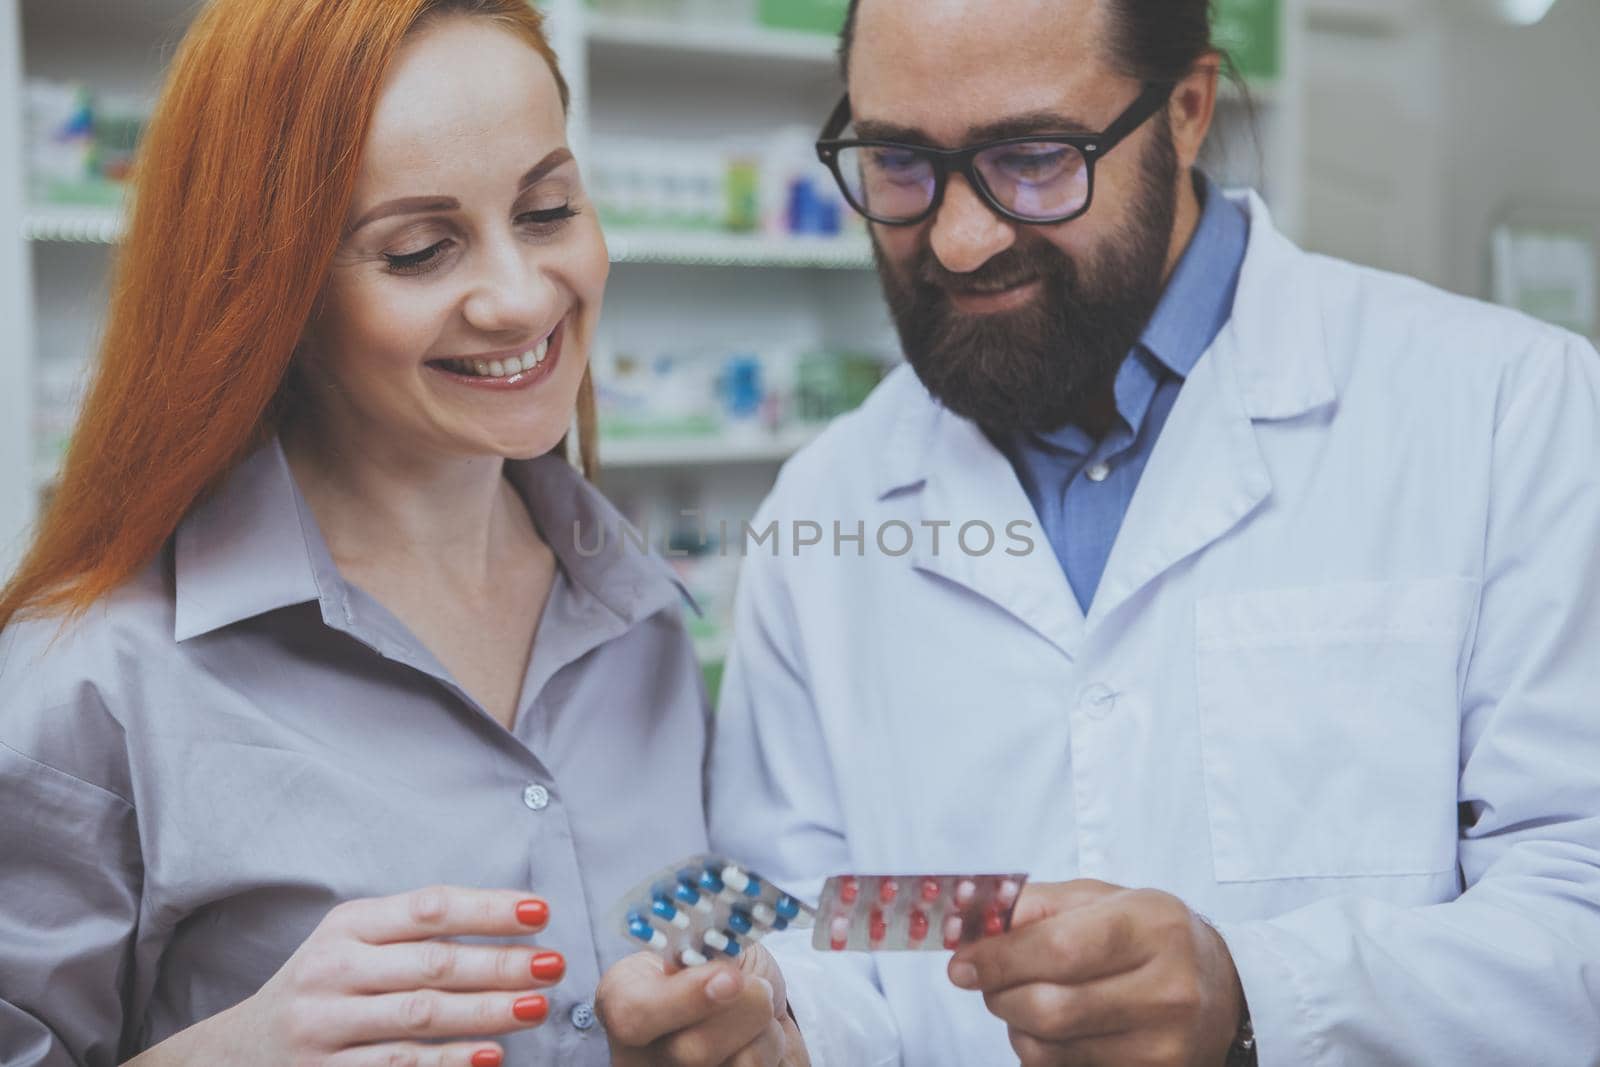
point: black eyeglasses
(1037, 180)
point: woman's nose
(510, 294)
(966, 231)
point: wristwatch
(1242, 1053)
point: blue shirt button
(583, 1017)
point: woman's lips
(533, 366)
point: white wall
(1522, 124)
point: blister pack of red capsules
(913, 912)
(708, 907)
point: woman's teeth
(501, 368)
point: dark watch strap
(1242, 1053)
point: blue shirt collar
(1199, 295)
(1194, 307)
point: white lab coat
(1339, 689)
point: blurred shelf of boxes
(742, 311)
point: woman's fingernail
(723, 986)
(486, 1057)
(533, 913)
(964, 975)
(548, 966)
(531, 1009)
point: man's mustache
(1007, 270)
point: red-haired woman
(312, 713)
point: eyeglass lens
(1033, 180)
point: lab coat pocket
(1329, 728)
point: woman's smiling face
(459, 310)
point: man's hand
(1093, 974)
(714, 1016)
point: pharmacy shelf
(711, 41)
(71, 224)
(642, 452)
(88, 225)
(701, 249)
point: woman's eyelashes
(542, 223)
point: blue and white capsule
(640, 928)
(663, 909)
(741, 881)
(739, 921)
(688, 896)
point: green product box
(816, 16)
(1252, 32)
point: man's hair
(1152, 40)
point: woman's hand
(715, 1016)
(375, 980)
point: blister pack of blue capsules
(706, 908)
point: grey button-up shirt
(240, 739)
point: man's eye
(414, 262)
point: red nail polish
(548, 966)
(533, 913)
(531, 1009)
(486, 1057)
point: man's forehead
(948, 68)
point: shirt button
(1098, 473)
(583, 1016)
(536, 797)
(1096, 701)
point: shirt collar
(1193, 308)
(254, 546)
(1199, 296)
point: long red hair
(239, 202)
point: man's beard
(1037, 368)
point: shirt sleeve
(774, 806)
(1509, 972)
(70, 884)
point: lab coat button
(1097, 701)
(536, 796)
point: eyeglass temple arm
(838, 120)
(1149, 102)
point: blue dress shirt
(1081, 488)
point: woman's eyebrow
(420, 205)
(408, 205)
(544, 166)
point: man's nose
(966, 231)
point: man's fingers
(757, 962)
(1071, 1012)
(440, 911)
(1078, 945)
(641, 1004)
(1041, 900)
(741, 1022)
(766, 1051)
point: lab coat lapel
(1207, 473)
(970, 481)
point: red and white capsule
(917, 927)
(952, 931)
(839, 933)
